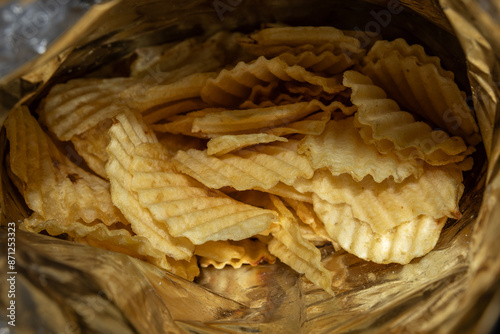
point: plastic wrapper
(62, 287)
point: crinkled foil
(63, 287)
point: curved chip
(380, 121)
(419, 83)
(341, 149)
(80, 104)
(52, 185)
(188, 208)
(228, 143)
(232, 87)
(400, 244)
(291, 248)
(388, 204)
(233, 253)
(126, 134)
(261, 166)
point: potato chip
(419, 83)
(400, 244)
(228, 143)
(301, 36)
(292, 249)
(163, 112)
(175, 142)
(126, 134)
(91, 146)
(341, 149)
(183, 124)
(435, 194)
(326, 62)
(78, 105)
(232, 87)
(142, 97)
(260, 166)
(311, 125)
(380, 121)
(233, 253)
(285, 191)
(188, 208)
(250, 120)
(114, 238)
(52, 185)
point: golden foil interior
(66, 287)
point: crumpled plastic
(63, 287)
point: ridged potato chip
(76, 106)
(188, 208)
(341, 149)
(232, 87)
(388, 204)
(52, 185)
(260, 166)
(401, 244)
(233, 253)
(91, 146)
(419, 83)
(380, 121)
(164, 112)
(291, 248)
(127, 134)
(311, 125)
(228, 143)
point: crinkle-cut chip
(114, 238)
(380, 121)
(231, 87)
(52, 185)
(341, 149)
(326, 62)
(305, 212)
(388, 204)
(233, 253)
(142, 96)
(188, 208)
(164, 112)
(183, 124)
(401, 244)
(175, 142)
(229, 143)
(260, 166)
(419, 83)
(78, 105)
(285, 191)
(91, 146)
(249, 120)
(219, 49)
(299, 36)
(291, 248)
(311, 125)
(126, 134)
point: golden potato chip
(233, 253)
(52, 185)
(326, 62)
(183, 124)
(228, 143)
(285, 191)
(188, 208)
(388, 204)
(91, 146)
(164, 112)
(291, 248)
(400, 244)
(260, 166)
(311, 125)
(175, 142)
(380, 121)
(232, 87)
(301, 36)
(341, 149)
(142, 97)
(126, 134)
(419, 83)
(78, 105)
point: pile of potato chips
(241, 149)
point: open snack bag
(240, 166)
